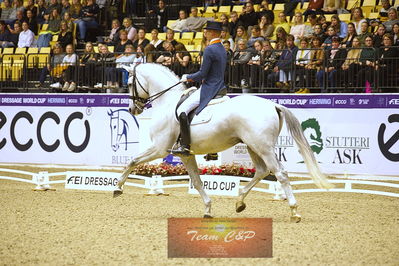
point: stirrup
(181, 150)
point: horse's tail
(294, 127)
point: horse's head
(114, 125)
(147, 83)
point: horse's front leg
(150, 154)
(192, 169)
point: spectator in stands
(302, 59)
(41, 11)
(33, 26)
(17, 6)
(388, 63)
(229, 52)
(357, 19)
(181, 24)
(152, 50)
(49, 10)
(392, 19)
(282, 70)
(321, 19)
(281, 37)
(241, 34)
(364, 32)
(65, 36)
(114, 33)
(298, 29)
(194, 22)
(162, 13)
(282, 23)
(315, 63)
(66, 6)
(75, 9)
(6, 11)
(312, 21)
(225, 36)
(170, 37)
(386, 5)
(395, 32)
(166, 58)
(105, 62)
(266, 27)
(350, 67)
(248, 17)
(20, 17)
(240, 69)
(224, 18)
(233, 24)
(379, 35)
(88, 65)
(341, 28)
(347, 41)
(270, 58)
(131, 31)
(264, 11)
(87, 18)
(52, 67)
(368, 57)
(318, 32)
(13, 36)
(330, 34)
(53, 28)
(70, 60)
(26, 37)
(182, 60)
(157, 43)
(255, 36)
(141, 39)
(331, 6)
(4, 34)
(31, 7)
(314, 7)
(256, 64)
(120, 46)
(113, 74)
(335, 58)
(69, 21)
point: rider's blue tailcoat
(211, 73)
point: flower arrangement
(164, 169)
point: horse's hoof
(207, 216)
(240, 206)
(296, 218)
(117, 193)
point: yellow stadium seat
(177, 36)
(42, 60)
(148, 36)
(111, 48)
(328, 17)
(278, 7)
(33, 50)
(8, 50)
(45, 50)
(186, 42)
(190, 48)
(201, 8)
(345, 17)
(170, 23)
(373, 15)
(224, 9)
(353, 4)
(208, 14)
(187, 35)
(17, 69)
(20, 50)
(55, 38)
(237, 9)
(96, 49)
(369, 3)
(199, 35)
(162, 36)
(305, 5)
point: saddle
(204, 116)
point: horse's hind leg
(261, 172)
(192, 169)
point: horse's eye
(114, 127)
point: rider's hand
(183, 78)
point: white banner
(91, 180)
(217, 185)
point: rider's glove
(184, 78)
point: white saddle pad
(206, 115)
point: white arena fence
(155, 184)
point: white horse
(243, 119)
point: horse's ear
(110, 112)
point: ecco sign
(49, 147)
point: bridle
(142, 103)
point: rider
(211, 75)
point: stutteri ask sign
(91, 180)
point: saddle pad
(206, 115)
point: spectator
(26, 36)
(330, 35)
(65, 36)
(88, 65)
(269, 58)
(281, 36)
(241, 34)
(392, 19)
(384, 9)
(141, 40)
(387, 64)
(53, 28)
(87, 18)
(17, 7)
(105, 64)
(264, 11)
(166, 58)
(282, 23)
(131, 31)
(379, 35)
(20, 17)
(318, 32)
(321, 19)
(301, 61)
(70, 60)
(66, 6)
(315, 63)
(350, 67)
(395, 32)
(335, 57)
(4, 34)
(41, 11)
(225, 36)
(69, 21)
(266, 27)
(13, 36)
(233, 24)
(248, 17)
(53, 67)
(256, 64)
(364, 32)
(240, 68)
(314, 7)
(229, 52)
(367, 63)
(134, 59)
(347, 41)
(298, 30)
(341, 28)
(331, 6)
(170, 37)
(312, 21)
(162, 14)
(75, 9)
(195, 23)
(255, 36)
(123, 60)
(154, 47)
(49, 10)
(181, 24)
(182, 60)
(113, 37)
(224, 18)
(357, 19)
(6, 11)
(33, 26)
(123, 41)
(31, 7)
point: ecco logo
(49, 147)
(393, 101)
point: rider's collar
(215, 40)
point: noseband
(142, 103)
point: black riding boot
(184, 148)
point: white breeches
(190, 103)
